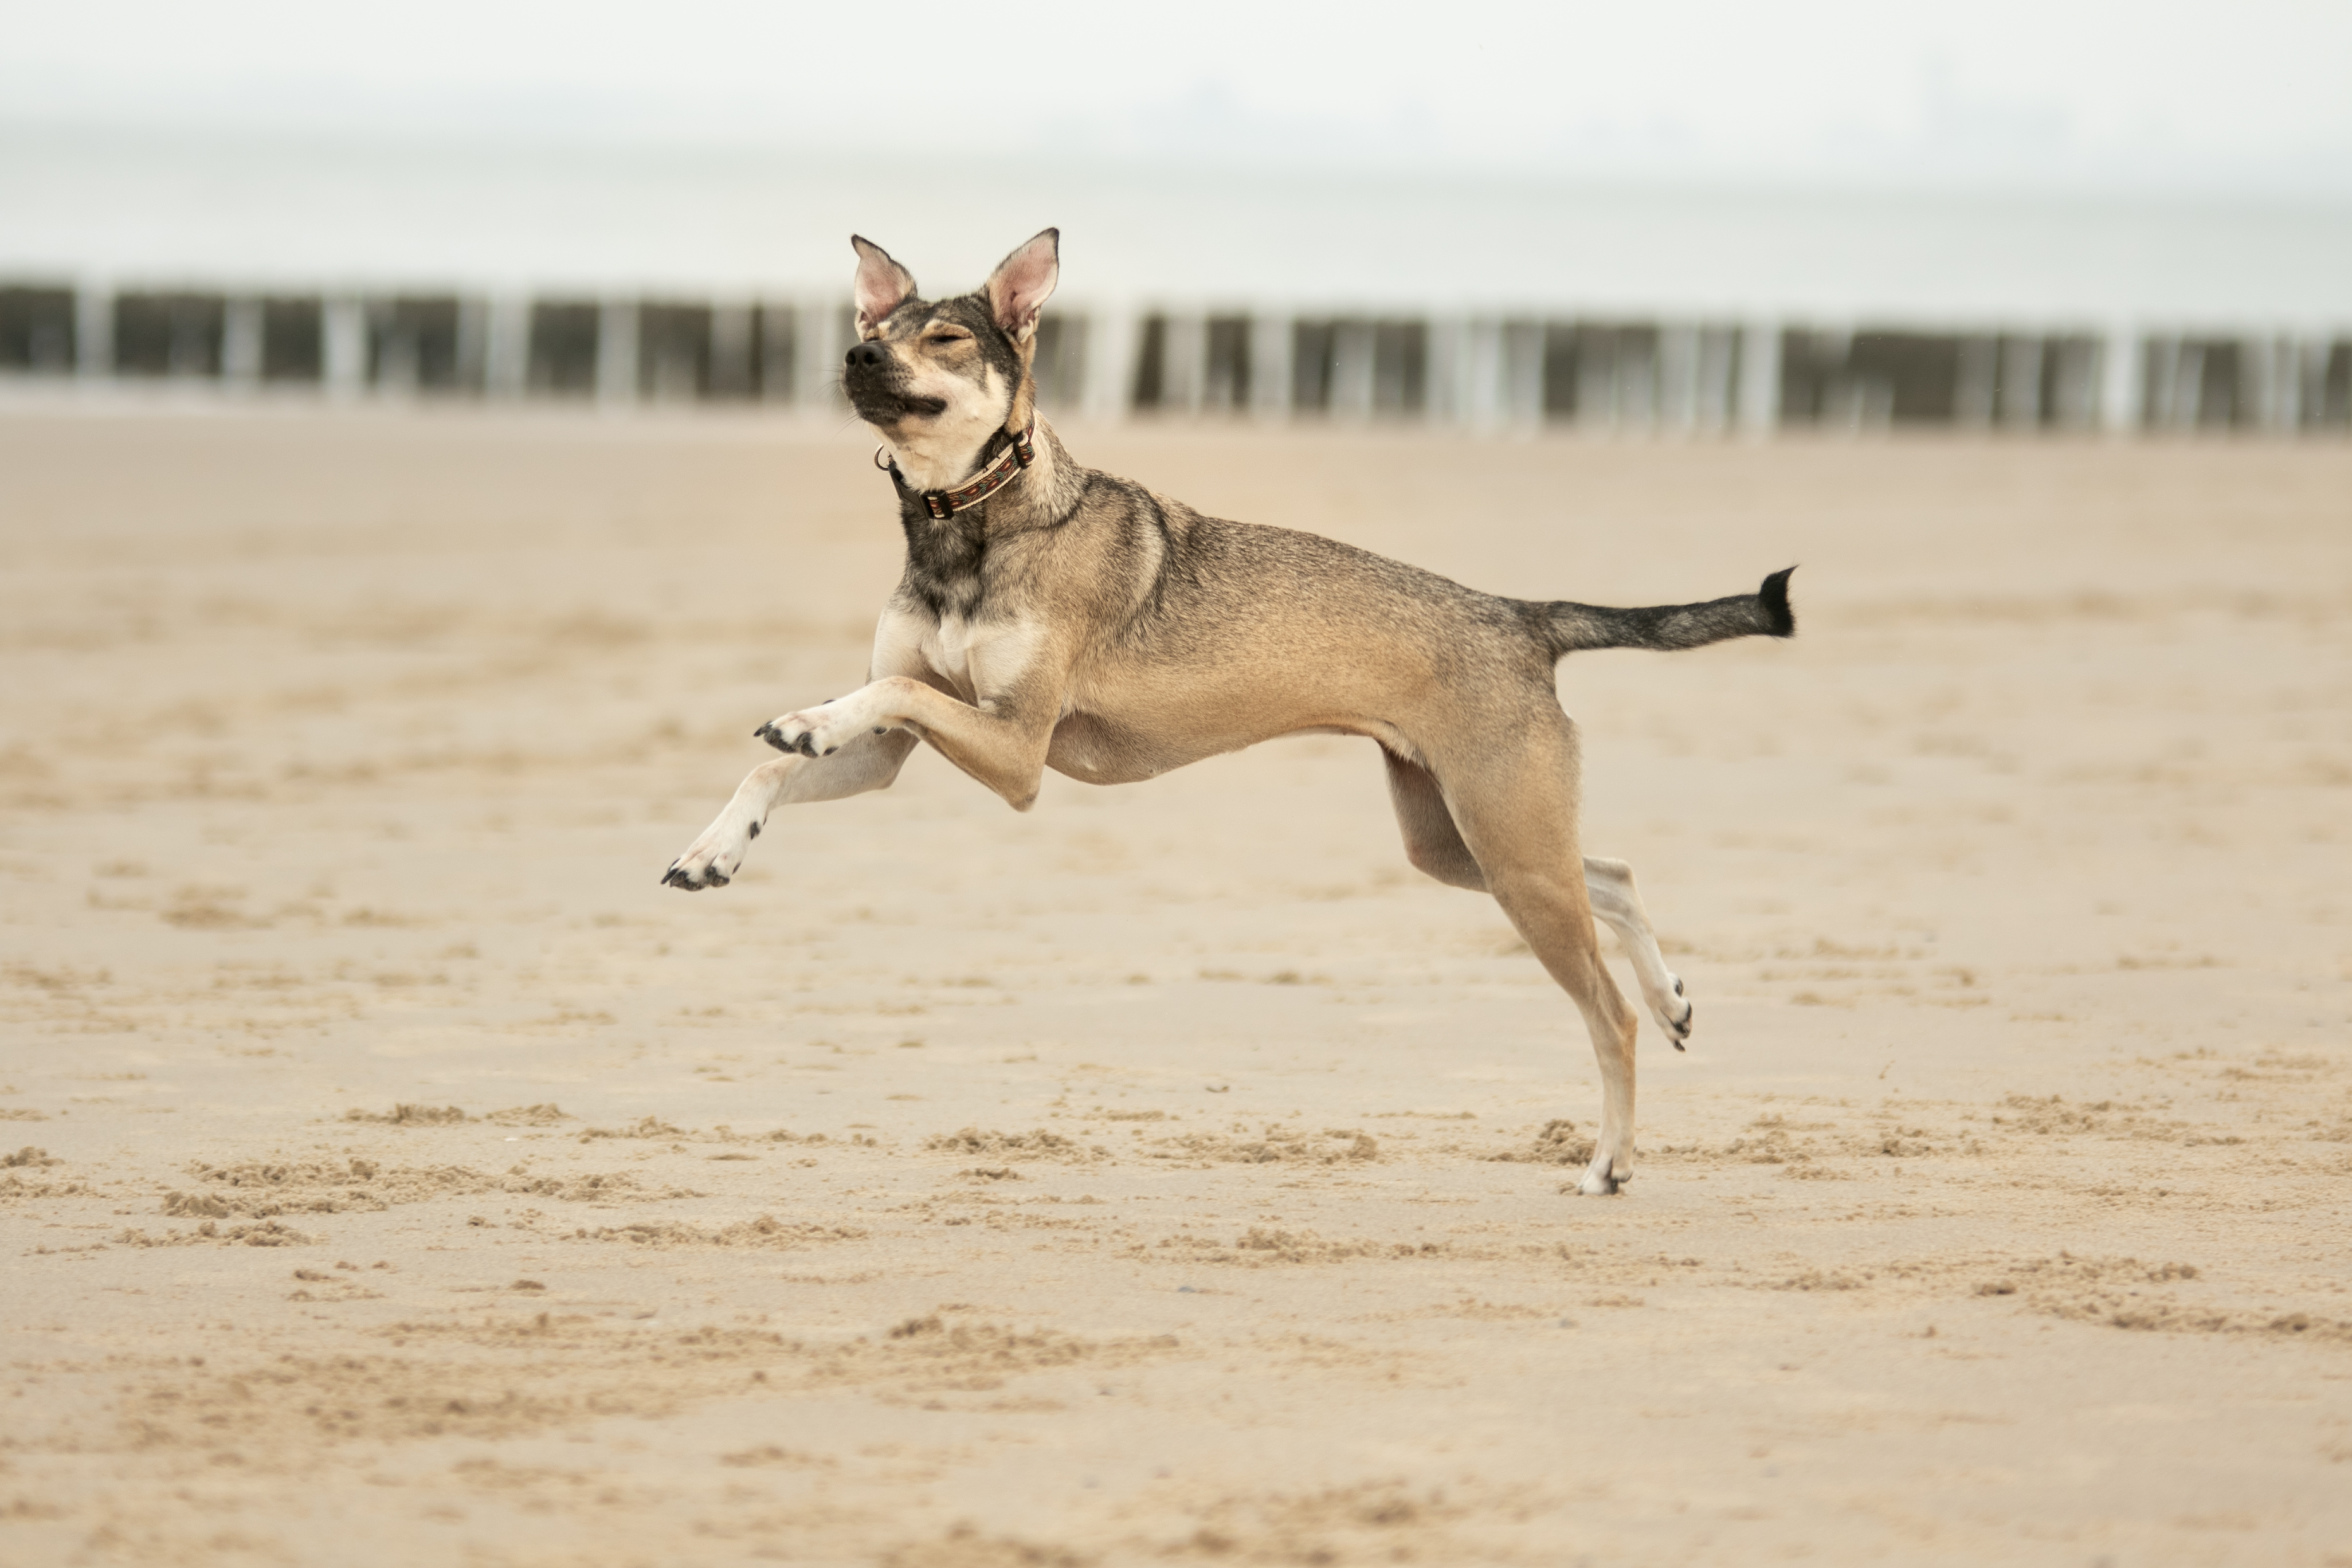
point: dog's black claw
(805, 745)
(1678, 984)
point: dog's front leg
(868, 763)
(1610, 885)
(1002, 741)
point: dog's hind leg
(1433, 845)
(866, 762)
(1518, 818)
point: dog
(1054, 617)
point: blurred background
(421, 468)
(1697, 215)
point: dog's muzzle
(869, 375)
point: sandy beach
(395, 1173)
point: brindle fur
(1081, 622)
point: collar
(944, 504)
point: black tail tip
(1774, 598)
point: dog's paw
(787, 735)
(712, 861)
(1600, 1180)
(694, 875)
(1673, 1013)
(817, 732)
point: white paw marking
(712, 861)
(1673, 1011)
(821, 731)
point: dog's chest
(977, 658)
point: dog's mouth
(894, 410)
(883, 406)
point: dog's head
(938, 379)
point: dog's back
(1185, 614)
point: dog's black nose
(870, 355)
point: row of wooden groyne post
(1481, 372)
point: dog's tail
(1763, 613)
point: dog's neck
(952, 448)
(1028, 469)
(1018, 451)
(946, 556)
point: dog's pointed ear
(882, 284)
(1023, 282)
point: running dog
(1054, 617)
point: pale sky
(2252, 96)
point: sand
(395, 1173)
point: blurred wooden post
(1976, 383)
(2159, 360)
(823, 336)
(1506, 373)
(1184, 363)
(241, 343)
(2017, 393)
(1523, 374)
(2255, 383)
(780, 352)
(2282, 389)
(616, 353)
(1596, 376)
(1351, 369)
(2311, 390)
(2186, 405)
(343, 345)
(1111, 332)
(472, 352)
(2250, 399)
(734, 351)
(1637, 379)
(1483, 391)
(1444, 385)
(2123, 370)
(1271, 373)
(1760, 377)
(93, 331)
(1677, 391)
(506, 346)
(1716, 395)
